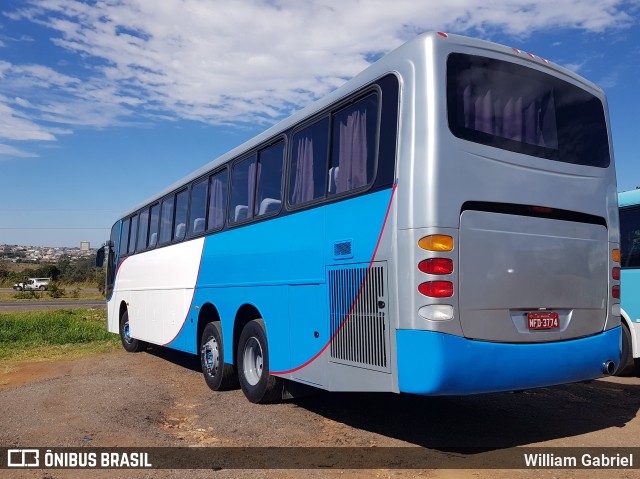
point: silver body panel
(511, 265)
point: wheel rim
(252, 361)
(125, 332)
(211, 356)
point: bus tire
(627, 366)
(253, 365)
(130, 344)
(218, 375)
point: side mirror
(100, 257)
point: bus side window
(309, 156)
(181, 215)
(217, 201)
(115, 233)
(153, 225)
(269, 194)
(166, 219)
(198, 207)
(143, 231)
(124, 239)
(243, 190)
(630, 237)
(353, 146)
(134, 234)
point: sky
(103, 103)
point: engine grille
(359, 322)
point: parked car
(32, 284)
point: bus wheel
(130, 344)
(253, 365)
(627, 365)
(218, 375)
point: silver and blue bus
(629, 202)
(445, 223)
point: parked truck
(32, 284)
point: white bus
(444, 223)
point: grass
(57, 334)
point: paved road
(10, 290)
(40, 305)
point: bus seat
(153, 239)
(333, 178)
(268, 204)
(180, 229)
(198, 225)
(242, 212)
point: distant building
(84, 246)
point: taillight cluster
(615, 273)
(436, 287)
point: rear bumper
(442, 364)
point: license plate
(543, 320)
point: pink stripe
(375, 251)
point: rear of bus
(507, 226)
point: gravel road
(158, 398)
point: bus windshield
(520, 109)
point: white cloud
(14, 126)
(7, 151)
(246, 60)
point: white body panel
(157, 298)
(634, 329)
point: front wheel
(253, 365)
(130, 344)
(218, 375)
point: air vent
(358, 316)
(342, 249)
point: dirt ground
(158, 398)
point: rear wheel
(218, 375)
(42, 288)
(130, 344)
(253, 365)
(627, 366)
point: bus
(444, 223)
(629, 202)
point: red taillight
(615, 273)
(615, 291)
(436, 266)
(437, 289)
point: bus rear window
(520, 109)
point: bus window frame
(329, 112)
(255, 152)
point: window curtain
(352, 152)
(303, 181)
(252, 182)
(216, 211)
(515, 119)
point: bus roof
(389, 63)
(629, 198)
